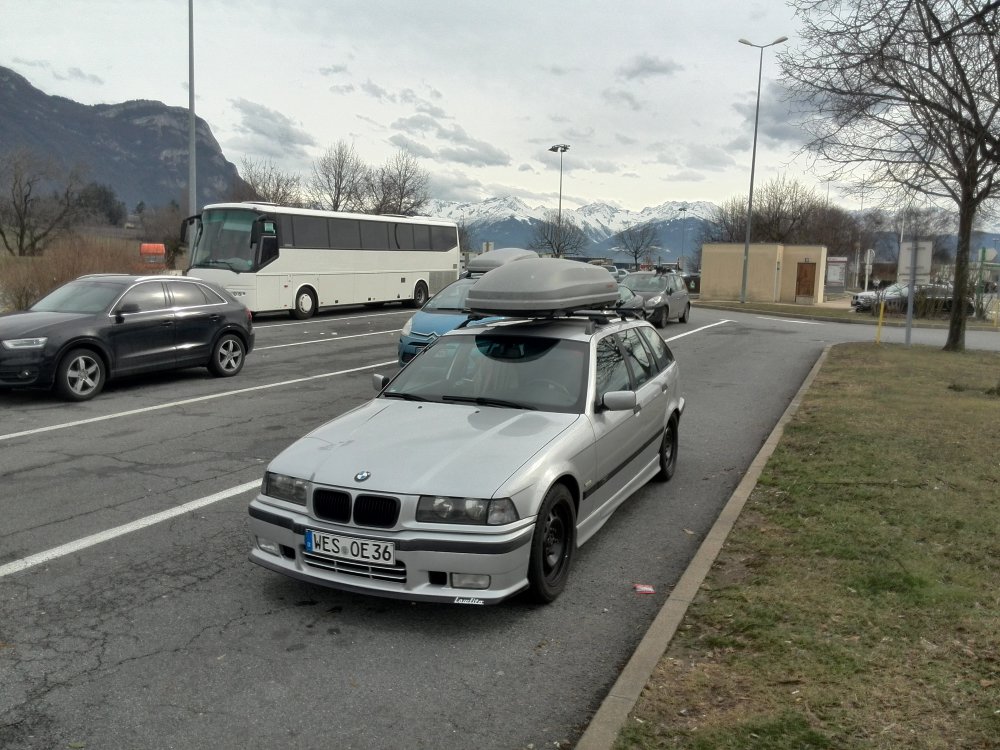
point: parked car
(928, 299)
(629, 300)
(531, 429)
(664, 294)
(446, 309)
(105, 326)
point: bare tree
(338, 179)
(399, 186)
(558, 235)
(263, 181)
(39, 202)
(638, 241)
(907, 92)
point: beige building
(775, 273)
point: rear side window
(658, 346)
(187, 295)
(639, 357)
(443, 238)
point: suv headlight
(283, 487)
(34, 343)
(407, 326)
(654, 301)
(471, 510)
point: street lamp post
(560, 148)
(684, 231)
(192, 138)
(753, 160)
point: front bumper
(425, 561)
(25, 368)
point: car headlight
(471, 510)
(282, 487)
(406, 327)
(34, 343)
(654, 301)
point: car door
(197, 320)
(142, 330)
(651, 395)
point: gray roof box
(543, 286)
(495, 258)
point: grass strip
(856, 603)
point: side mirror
(129, 308)
(619, 400)
(379, 382)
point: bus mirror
(185, 224)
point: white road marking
(792, 320)
(103, 536)
(696, 330)
(313, 321)
(184, 402)
(333, 337)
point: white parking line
(313, 321)
(333, 337)
(31, 561)
(792, 320)
(696, 330)
(184, 402)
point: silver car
(482, 465)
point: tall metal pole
(753, 161)
(192, 141)
(561, 148)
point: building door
(805, 280)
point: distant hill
(138, 148)
(510, 222)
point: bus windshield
(223, 240)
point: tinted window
(186, 295)
(443, 238)
(374, 235)
(612, 373)
(404, 236)
(148, 296)
(639, 357)
(421, 237)
(310, 231)
(658, 346)
(345, 233)
(287, 238)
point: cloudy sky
(655, 99)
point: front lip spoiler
(479, 547)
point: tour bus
(274, 257)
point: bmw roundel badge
(361, 476)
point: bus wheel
(420, 295)
(305, 304)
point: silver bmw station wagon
(478, 469)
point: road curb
(604, 728)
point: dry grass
(24, 280)
(856, 604)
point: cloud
(71, 74)
(411, 146)
(419, 123)
(377, 92)
(331, 70)
(344, 88)
(267, 132)
(645, 66)
(482, 155)
(456, 186)
(620, 96)
(780, 122)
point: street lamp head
(748, 43)
(559, 147)
(779, 40)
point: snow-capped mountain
(510, 222)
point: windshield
(504, 369)
(80, 297)
(647, 284)
(452, 297)
(223, 240)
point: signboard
(924, 250)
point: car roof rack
(542, 287)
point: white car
(483, 464)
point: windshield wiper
(483, 401)
(404, 396)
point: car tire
(668, 450)
(228, 356)
(686, 314)
(552, 545)
(305, 304)
(81, 375)
(420, 295)
(660, 317)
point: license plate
(350, 548)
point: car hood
(409, 447)
(426, 322)
(29, 323)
